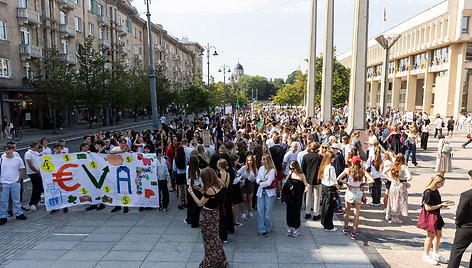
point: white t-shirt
(65, 150)
(47, 150)
(373, 171)
(163, 119)
(289, 157)
(11, 169)
(438, 123)
(329, 176)
(371, 140)
(30, 155)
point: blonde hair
(269, 164)
(435, 180)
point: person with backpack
(294, 186)
(443, 158)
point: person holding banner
(123, 148)
(162, 177)
(99, 147)
(58, 150)
(214, 252)
(12, 170)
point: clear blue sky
(269, 37)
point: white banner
(91, 178)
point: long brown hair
(377, 158)
(252, 167)
(193, 167)
(294, 164)
(397, 165)
(387, 156)
(357, 172)
(209, 178)
(327, 157)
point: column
(384, 82)
(375, 87)
(430, 35)
(310, 105)
(327, 76)
(396, 86)
(428, 91)
(358, 67)
(460, 78)
(410, 102)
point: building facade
(430, 66)
(29, 28)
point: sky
(269, 38)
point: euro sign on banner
(91, 178)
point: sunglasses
(324, 147)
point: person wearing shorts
(247, 173)
(356, 175)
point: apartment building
(430, 66)
(28, 28)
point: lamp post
(152, 75)
(106, 116)
(208, 50)
(223, 70)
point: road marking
(73, 234)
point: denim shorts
(354, 196)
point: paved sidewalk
(402, 245)
(161, 239)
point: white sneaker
(371, 204)
(429, 259)
(331, 230)
(251, 216)
(439, 258)
(243, 217)
(33, 207)
(289, 231)
(295, 233)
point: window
(25, 36)
(130, 27)
(119, 20)
(77, 49)
(100, 10)
(64, 46)
(78, 24)
(465, 24)
(53, 38)
(140, 51)
(51, 9)
(77, 2)
(136, 51)
(90, 29)
(135, 33)
(139, 35)
(4, 68)
(3, 30)
(468, 53)
(22, 3)
(127, 44)
(95, 7)
(27, 71)
(63, 17)
(101, 34)
(89, 5)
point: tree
(52, 85)
(289, 95)
(91, 78)
(195, 97)
(291, 78)
(257, 86)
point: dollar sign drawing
(47, 165)
(67, 158)
(84, 191)
(93, 164)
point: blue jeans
(467, 142)
(339, 205)
(12, 189)
(265, 204)
(411, 151)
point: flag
(385, 14)
(234, 122)
(237, 103)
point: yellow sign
(83, 190)
(47, 166)
(128, 159)
(125, 200)
(93, 165)
(107, 189)
(66, 158)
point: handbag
(273, 185)
(428, 221)
(447, 149)
(469, 136)
(364, 199)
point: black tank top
(213, 200)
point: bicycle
(16, 134)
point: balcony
(69, 59)
(66, 31)
(103, 21)
(103, 43)
(28, 52)
(66, 4)
(157, 47)
(122, 30)
(139, 57)
(28, 16)
(123, 50)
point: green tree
(195, 97)
(289, 95)
(52, 85)
(91, 78)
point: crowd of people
(224, 168)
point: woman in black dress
(294, 186)
(433, 204)
(395, 143)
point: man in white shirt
(62, 142)
(289, 157)
(370, 142)
(163, 120)
(32, 170)
(187, 149)
(12, 170)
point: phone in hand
(192, 181)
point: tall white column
(327, 76)
(310, 103)
(359, 61)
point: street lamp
(224, 67)
(106, 116)
(208, 50)
(152, 75)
